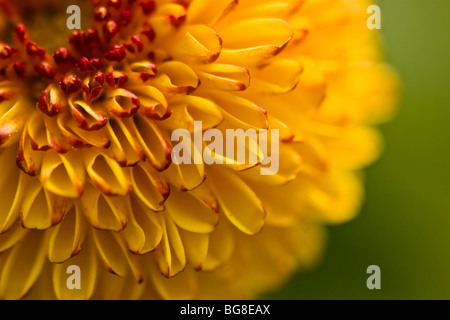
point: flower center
(46, 22)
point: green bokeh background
(404, 226)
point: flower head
(85, 138)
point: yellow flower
(85, 138)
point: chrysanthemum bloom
(85, 136)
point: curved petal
(187, 176)
(199, 219)
(96, 138)
(242, 111)
(263, 38)
(110, 253)
(170, 256)
(22, 266)
(42, 209)
(251, 33)
(224, 77)
(143, 233)
(63, 175)
(27, 159)
(10, 238)
(105, 213)
(196, 246)
(125, 148)
(87, 117)
(67, 237)
(221, 246)
(199, 44)
(290, 164)
(122, 103)
(12, 123)
(169, 289)
(176, 77)
(238, 202)
(153, 103)
(285, 204)
(106, 174)
(112, 287)
(202, 12)
(280, 76)
(89, 266)
(337, 198)
(36, 130)
(153, 142)
(59, 138)
(149, 187)
(13, 189)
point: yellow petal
(97, 138)
(59, 139)
(239, 203)
(221, 245)
(169, 289)
(124, 143)
(278, 9)
(224, 77)
(42, 289)
(285, 204)
(355, 148)
(87, 117)
(12, 122)
(106, 174)
(286, 134)
(202, 12)
(112, 287)
(199, 44)
(295, 108)
(153, 102)
(262, 39)
(103, 212)
(27, 159)
(42, 209)
(196, 246)
(252, 33)
(337, 198)
(89, 266)
(10, 238)
(149, 186)
(141, 71)
(290, 163)
(13, 185)
(110, 253)
(247, 152)
(176, 78)
(170, 255)
(277, 77)
(122, 103)
(244, 112)
(204, 110)
(22, 266)
(187, 176)
(153, 142)
(63, 175)
(205, 195)
(67, 237)
(200, 218)
(143, 232)
(36, 130)
(188, 109)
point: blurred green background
(404, 226)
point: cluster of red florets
(90, 52)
